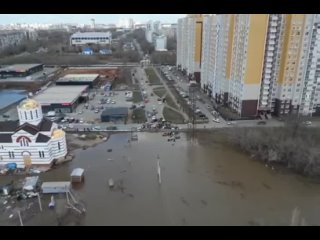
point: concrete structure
(33, 140)
(161, 43)
(78, 79)
(189, 45)
(63, 99)
(83, 38)
(20, 70)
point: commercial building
(33, 140)
(189, 45)
(114, 114)
(9, 98)
(83, 38)
(62, 99)
(20, 70)
(78, 79)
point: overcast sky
(85, 18)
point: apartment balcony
(272, 42)
(264, 103)
(270, 54)
(271, 48)
(272, 36)
(273, 30)
(274, 18)
(269, 59)
(266, 87)
(273, 24)
(267, 75)
(268, 65)
(266, 82)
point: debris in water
(204, 202)
(111, 183)
(5, 202)
(11, 215)
(131, 195)
(123, 171)
(52, 203)
(109, 150)
(184, 201)
(110, 159)
(266, 185)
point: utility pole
(40, 205)
(21, 223)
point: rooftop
(19, 67)
(115, 111)
(79, 78)
(91, 34)
(60, 95)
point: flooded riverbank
(203, 183)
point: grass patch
(172, 116)
(159, 91)
(152, 76)
(170, 102)
(137, 97)
(138, 116)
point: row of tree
(294, 146)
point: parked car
(217, 120)
(307, 123)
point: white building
(189, 45)
(31, 140)
(214, 56)
(83, 38)
(161, 43)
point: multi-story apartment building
(11, 38)
(217, 39)
(189, 45)
(258, 63)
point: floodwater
(202, 184)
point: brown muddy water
(202, 184)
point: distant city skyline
(85, 18)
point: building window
(31, 115)
(37, 113)
(59, 147)
(41, 154)
(11, 155)
(25, 115)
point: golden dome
(57, 133)
(29, 104)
